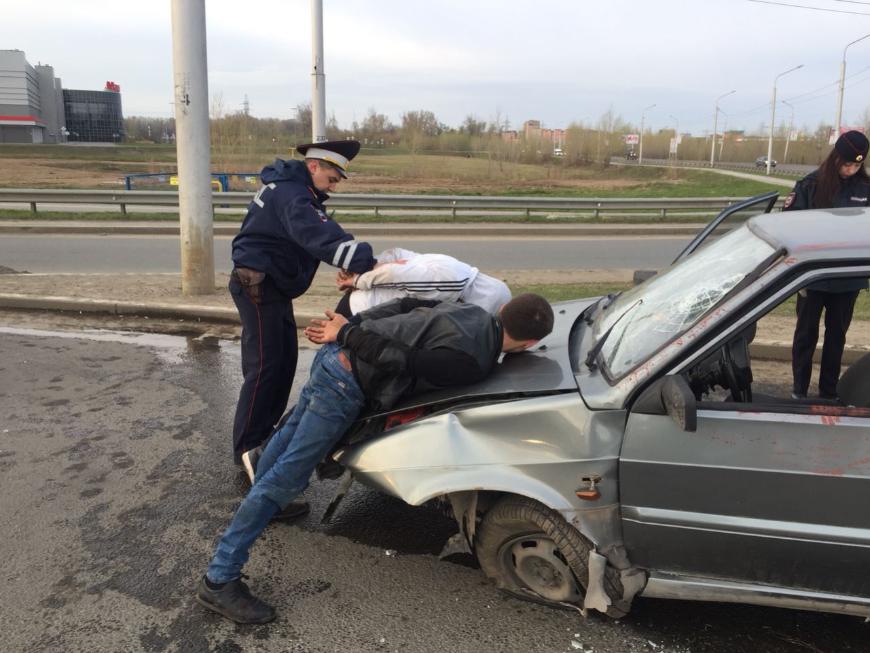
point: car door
(736, 212)
(771, 494)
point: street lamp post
(773, 115)
(318, 76)
(676, 135)
(788, 136)
(715, 125)
(640, 145)
(842, 83)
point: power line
(835, 11)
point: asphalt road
(116, 477)
(48, 253)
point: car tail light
(403, 417)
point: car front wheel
(531, 552)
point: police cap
(338, 153)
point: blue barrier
(220, 180)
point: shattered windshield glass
(674, 300)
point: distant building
(532, 130)
(34, 108)
(31, 101)
(94, 116)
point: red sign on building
(112, 86)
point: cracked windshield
(671, 302)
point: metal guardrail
(452, 204)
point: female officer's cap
(852, 146)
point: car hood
(544, 369)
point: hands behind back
(322, 331)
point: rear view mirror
(679, 402)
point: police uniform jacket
(854, 191)
(286, 232)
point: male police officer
(283, 238)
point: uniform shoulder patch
(789, 200)
(322, 215)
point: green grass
(562, 292)
(118, 153)
(862, 307)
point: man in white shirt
(405, 273)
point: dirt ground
(85, 173)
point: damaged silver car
(629, 455)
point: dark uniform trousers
(269, 355)
(838, 307)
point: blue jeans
(328, 405)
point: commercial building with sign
(94, 116)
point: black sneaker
(249, 462)
(234, 601)
(293, 510)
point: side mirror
(679, 402)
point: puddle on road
(169, 348)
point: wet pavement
(116, 478)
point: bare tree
(417, 126)
(472, 126)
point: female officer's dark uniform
(835, 296)
(283, 238)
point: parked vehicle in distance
(631, 452)
(557, 151)
(631, 155)
(761, 162)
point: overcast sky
(557, 61)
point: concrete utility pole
(318, 75)
(842, 86)
(715, 125)
(790, 129)
(190, 77)
(773, 116)
(640, 144)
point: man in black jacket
(284, 237)
(402, 347)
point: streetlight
(842, 82)
(715, 125)
(790, 127)
(676, 135)
(773, 115)
(640, 148)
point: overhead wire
(787, 4)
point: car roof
(818, 233)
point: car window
(668, 304)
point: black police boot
(234, 601)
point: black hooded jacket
(287, 232)
(410, 345)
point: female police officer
(840, 181)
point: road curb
(762, 350)
(149, 309)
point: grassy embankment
(396, 173)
